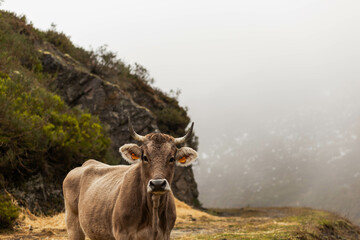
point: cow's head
(158, 156)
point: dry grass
(185, 213)
(253, 223)
(30, 226)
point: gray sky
(231, 59)
(239, 64)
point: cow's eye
(172, 159)
(145, 159)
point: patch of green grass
(244, 236)
(300, 223)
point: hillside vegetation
(61, 105)
(39, 132)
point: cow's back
(90, 192)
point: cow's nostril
(158, 184)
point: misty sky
(239, 64)
(234, 61)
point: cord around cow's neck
(156, 202)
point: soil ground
(245, 223)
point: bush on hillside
(62, 42)
(17, 43)
(39, 132)
(8, 212)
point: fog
(273, 88)
(303, 155)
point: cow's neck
(160, 203)
(155, 218)
(156, 208)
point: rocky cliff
(87, 81)
(113, 104)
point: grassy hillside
(39, 133)
(41, 137)
(249, 223)
(43, 134)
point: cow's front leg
(167, 236)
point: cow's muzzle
(158, 186)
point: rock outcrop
(113, 104)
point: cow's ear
(185, 156)
(131, 153)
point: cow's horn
(186, 137)
(135, 136)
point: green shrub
(36, 128)
(8, 212)
(39, 132)
(17, 43)
(64, 44)
(172, 120)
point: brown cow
(127, 202)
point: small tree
(142, 73)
